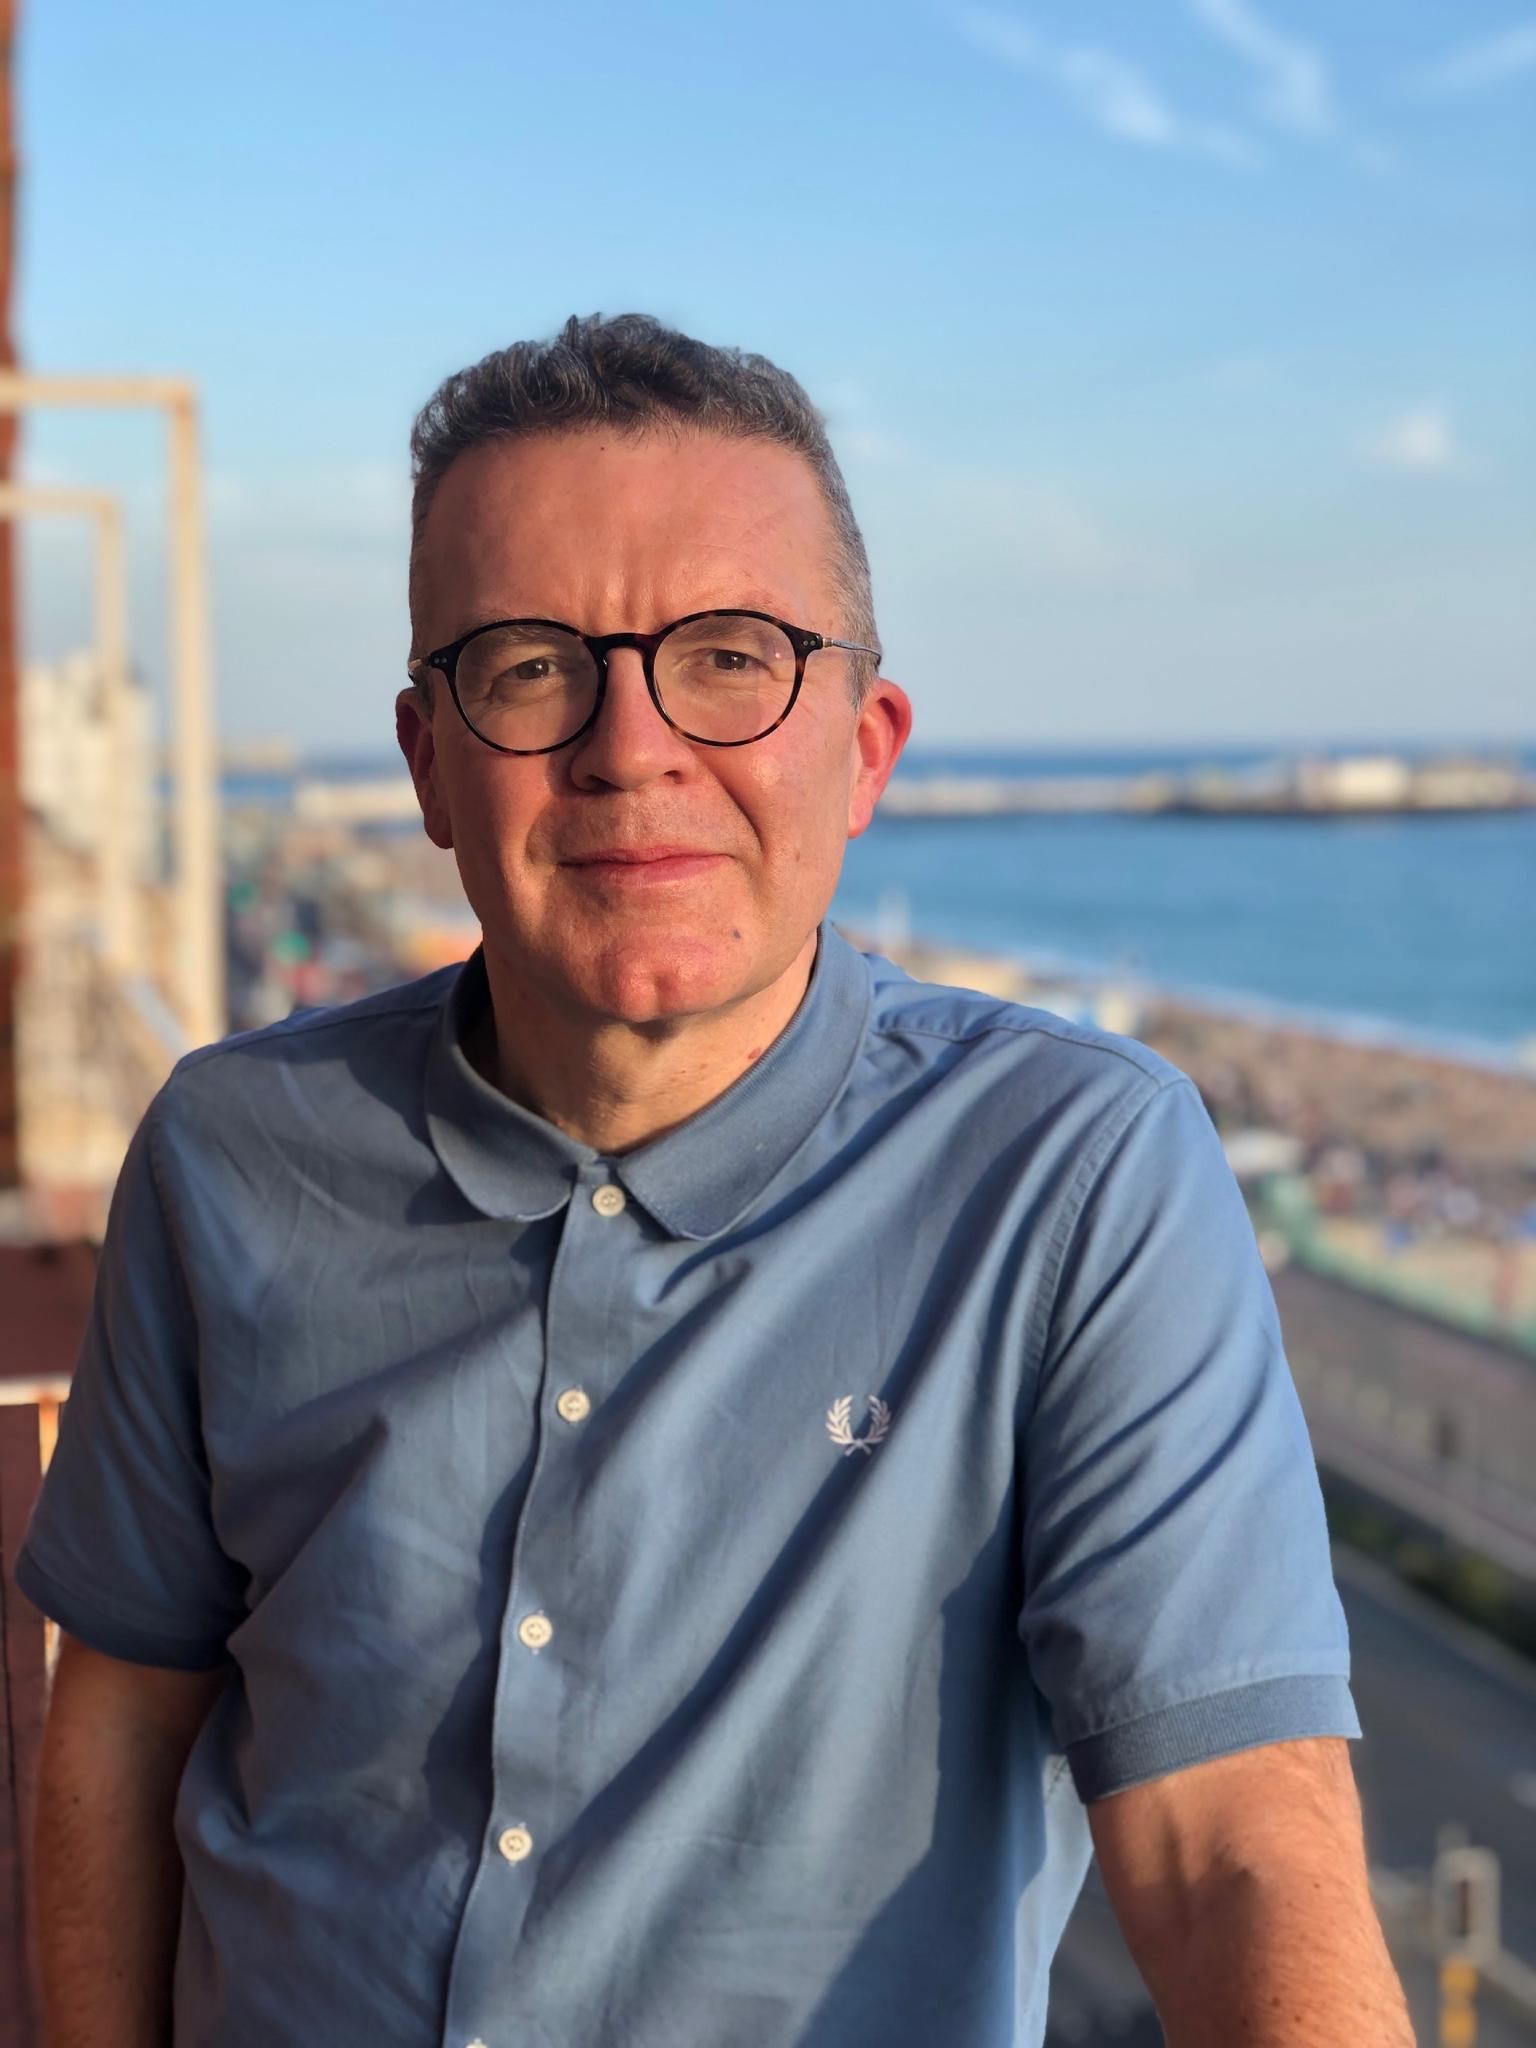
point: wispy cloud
(1123, 103)
(1478, 66)
(1118, 98)
(1418, 442)
(1294, 89)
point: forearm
(108, 1877)
(108, 1898)
(1243, 1888)
(1284, 1962)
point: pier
(1357, 785)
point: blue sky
(1181, 353)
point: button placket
(536, 1786)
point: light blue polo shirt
(682, 1600)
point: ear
(883, 728)
(413, 730)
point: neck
(615, 1085)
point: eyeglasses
(722, 679)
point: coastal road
(1449, 1737)
(1437, 1421)
(1341, 1341)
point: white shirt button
(535, 1630)
(573, 1405)
(609, 1199)
(515, 1844)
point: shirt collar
(697, 1180)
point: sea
(1416, 931)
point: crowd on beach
(1427, 1145)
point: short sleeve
(121, 1550)
(1179, 1601)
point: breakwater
(1351, 786)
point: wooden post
(23, 1699)
(120, 884)
(195, 835)
(200, 928)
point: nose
(629, 743)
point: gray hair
(632, 373)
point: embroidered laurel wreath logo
(840, 1414)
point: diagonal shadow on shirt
(1005, 1807)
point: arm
(108, 1876)
(1242, 1890)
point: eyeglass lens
(726, 677)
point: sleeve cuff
(110, 1633)
(1196, 1731)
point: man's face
(634, 874)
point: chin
(649, 979)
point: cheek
(494, 805)
(796, 803)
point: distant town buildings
(72, 767)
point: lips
(641, 867)
(639, 856)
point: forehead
(622, 531)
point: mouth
(643, 866)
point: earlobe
(413, 731)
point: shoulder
(971, 1038)
(313, 1069)
(322, 1034)
(998, 1093)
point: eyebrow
(750, 600)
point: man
(669, 1486)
